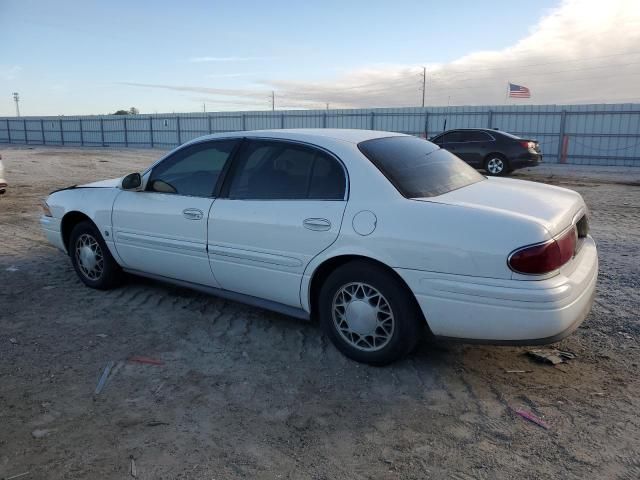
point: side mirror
(132, 181)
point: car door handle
(317, 224)
(192, 214)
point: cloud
(226, 59)
(584, 51)
(9, 72)
(230, 75)
(232, 92)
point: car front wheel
(496, 165)
(368, 314)
(91, 258)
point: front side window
(418, 168)
(192, 171)
(452, 137)
(270, 170)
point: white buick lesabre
(376, 234)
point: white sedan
(376, 234)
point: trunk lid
(555, 208)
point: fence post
(126, 136)
(151, 130)
(490, 119)
(102, 131)
(244, 121)
(61, 131)
(44, 140)
(26, 135)
(426, 124)
(178, 130)
(373, 120)
(81, 135)
(209, 121)
(561, 140)
(282, 121)
(8, 130)
(324, 120)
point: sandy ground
(244, 393)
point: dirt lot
(244, 393)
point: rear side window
(418, 168)
(268, 170)
(475, 136)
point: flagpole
(506, 94)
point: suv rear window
(418, 168)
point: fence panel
(579, 134)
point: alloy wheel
(495, 166)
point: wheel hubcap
(363, 317)
(89, 257)
(495, 165)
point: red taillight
(546, 257)
(529, 145)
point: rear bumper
(51, 229)
(526, 160)
(483, 310)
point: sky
(89, 57)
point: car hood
(111, 183)
(553, 207)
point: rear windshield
(418, 168)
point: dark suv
(497, 152)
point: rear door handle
(317, 224)
(192, 214)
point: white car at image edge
(375, 234)
(3, 182)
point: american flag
(518, 91)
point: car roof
(310, 135)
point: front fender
(94, 203)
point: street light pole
(16, 98)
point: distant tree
(131, 111)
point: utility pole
(16, 98)
(327, 105)
(204, 107)
(424, 84)
(273, 100)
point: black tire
(495, 160)
(407, 322)
(107, 273)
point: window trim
(180, 150)
(490, 138)
(232, 170)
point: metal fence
(577, 134)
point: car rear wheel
(496, 165)
(91, 258)
(368, 314)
